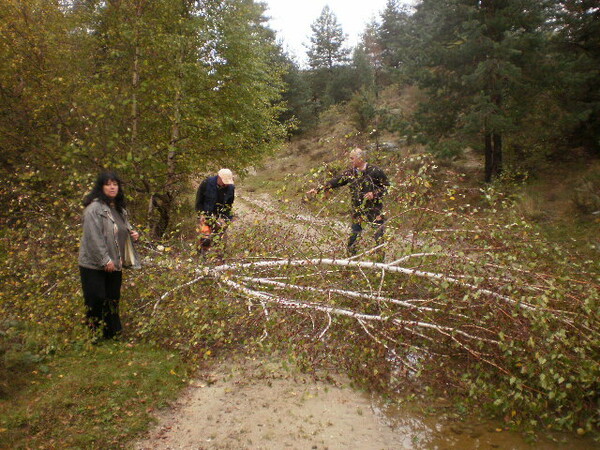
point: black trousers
(374, 217)
(101, 292)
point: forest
(467, 104)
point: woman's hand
(134, 235)
(109, 267)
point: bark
(489, 157)
(135, 80)
(161, 205)
(374, 265)
(493, 156)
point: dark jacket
(215, 200)
(372, 179)
(99, 243)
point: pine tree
(394, 34)
(477, 58)
(327, 42)
(577, 58)
(299, 114)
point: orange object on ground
(204, 235)
(205, 230)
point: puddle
(422, 431)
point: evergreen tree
(364, 71)
(477, 59)
(330, 76)
(370, 44)
(299, 114)
(327, 42)
(394, 35)
(577, 59)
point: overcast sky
(291, 19)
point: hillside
(561, 196)
(472, 307)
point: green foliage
(514, 316)
(533, 354)
(476, 60)
(519, 75)
(542, 370)
(332, 80)
(300, 113)
(395, 38)
(157, 90)
(576, 57)
(363, 111)
(447, 149)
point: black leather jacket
(372, 179)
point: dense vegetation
(157, 90)
(165, 90)
(516, 80)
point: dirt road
(260, 404)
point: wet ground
(260, 404)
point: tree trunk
(493, 155)
(161, 206)
(497, 161)
(135, 80)
(489, 157)
(163, 202)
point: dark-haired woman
(106, 248)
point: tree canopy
(158, 90)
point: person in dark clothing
(214, 205)
(106, 248)
(368, 184)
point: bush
(586, 195)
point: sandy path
(256, 404)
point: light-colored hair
(358, 153)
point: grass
(99, 397)
(553, 201)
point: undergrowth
(534, 367)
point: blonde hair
(358, 153)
